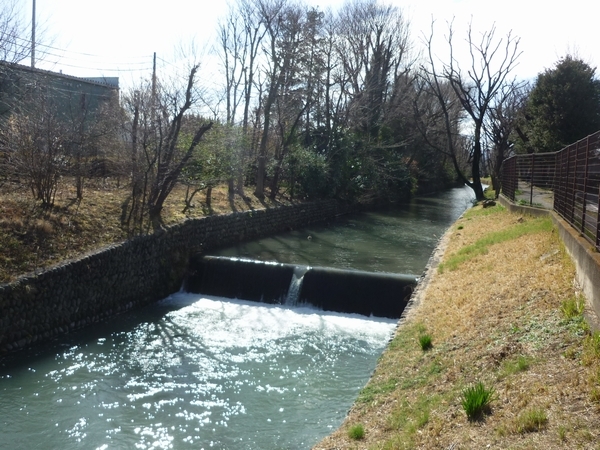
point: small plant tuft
(572, 308)
(595, 395)
(591, 349)
(356, 432)
(476, 400)
(520, 364)
(532, 420)
(426, 342)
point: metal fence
(567, 181)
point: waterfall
(293, 293)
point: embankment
(139, 271)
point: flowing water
(197, 372)
(396, 239)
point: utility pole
(153, 99)
(33, 36)
(153, 78)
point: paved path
(542, 198)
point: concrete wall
(136, 272)
(581, 251)
(587, 266)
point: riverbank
(501, 307)
(33, 238)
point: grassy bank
(501, 312)
(34, 238)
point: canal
(198, 372)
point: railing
(567, 181)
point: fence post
(585, 178)
(574, 186)
(531, 180)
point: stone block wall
(136, 272)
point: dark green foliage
(308, 174)
(563, 107)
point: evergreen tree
(563, 107)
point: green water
(193, 372)
(397, 240)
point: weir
(346, 291)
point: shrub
(476, 400)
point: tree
(563, 107)
(14, 39)
(272, 18)
(492, 61)
(215, 160)
(159, 155)
(373, 51)
(34, 141)
(501, 129)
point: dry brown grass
(32, 238)
(496, 318)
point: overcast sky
(118, 37)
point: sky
(118, 37)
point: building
(22, 87)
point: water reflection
(396, 239)
(193, 372)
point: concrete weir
(346, 291)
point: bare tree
(271, 14)
(159, 152)
(500, 128)
(492, 61)
(240, 36)
(34, 141)
(14, 33)
(374, 53)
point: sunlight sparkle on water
(199, 373)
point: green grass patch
(516, 365)
(572, 307)
(476, 400)
(410, 417)
(374, 389)
(531, 420)
(426, 342)
(356, 432)
(482, 212)
(481, 247)
(591, 349)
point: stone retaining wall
(136, 272)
